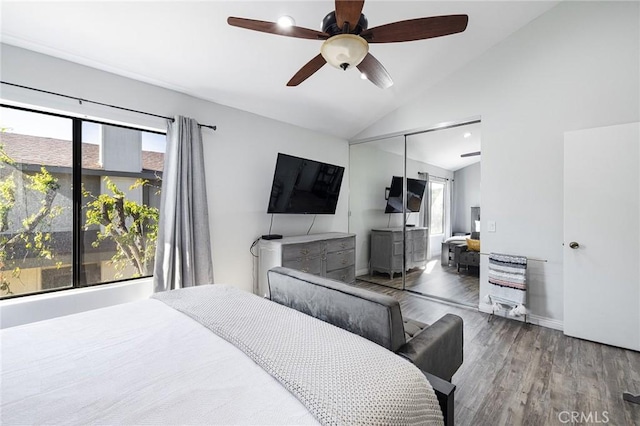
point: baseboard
(364, 271)
(531, 318)
(546, 322)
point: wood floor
(522, 374)
(435, 280)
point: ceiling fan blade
(375, 72)
(348, 11)
(307, 70)
(416, 29)
(273, 28)
(470, 154)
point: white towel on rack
(507, 281)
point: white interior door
(602, 215)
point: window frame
(76, 191)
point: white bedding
(340, 377)
(137, 363)
(457, 238)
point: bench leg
(629, 397)
(445, 392)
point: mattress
(136, 363)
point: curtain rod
(433, 176)
(81, 100)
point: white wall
(466, 194)
(575, 67)
(239, 157)
(371, 171)
(39, 307)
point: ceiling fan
(347, 38)
(470, 154)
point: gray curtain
(448, 208)
(426, 210)
(183, 252)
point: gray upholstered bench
(436, 349)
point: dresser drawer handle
(304, 251)
(344, 261)
(343, 245)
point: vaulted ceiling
(188, 47)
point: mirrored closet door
(414, 206)
(442, 158)
(376, 173)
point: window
(437, 207)
(54, 236)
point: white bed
(137, 363)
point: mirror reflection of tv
(415, 192)
(303, 186)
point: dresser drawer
(419, 256)
(297, 251)
(418, 234)
(418, 246)
(330, 254)
(397, 236)
(340, 259)
(397, 248)
(312, 265)
(346, 275)
(341, 244)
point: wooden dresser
(386, 249)
(331, 255)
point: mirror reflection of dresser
(386, 249)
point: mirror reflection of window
(437, 208)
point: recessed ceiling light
(363, 76)
(467, 135)
(286, 21)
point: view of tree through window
(437, 207)
(35, 201)
(121, 178)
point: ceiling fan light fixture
(286, 21)
(344, 50)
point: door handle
(574, 245)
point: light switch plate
(491, 225)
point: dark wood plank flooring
(435, 280)
(522, 374)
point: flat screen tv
(302, 186)
(415, 192)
